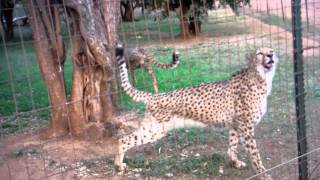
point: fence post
(299, 88)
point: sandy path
(311, 47)
(309, 11)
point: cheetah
(238, 103)
(139, 58)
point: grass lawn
(23, 89)
(182, 151)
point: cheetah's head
(264, 58)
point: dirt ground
(309, 14)
(35, 162)
(25, 156)
(309, 11)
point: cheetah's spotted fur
(238, 103)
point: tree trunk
(166, 8)
(143, 7)
(194, 26)
(111, 18)
(189, 25)
(94, 76)
(7, 12)
(154, 5)
(77, 111)
(51, 56)
(128, 14)
(184, 26)
(94, 94)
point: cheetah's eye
(259, 53)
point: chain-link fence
(213, 38)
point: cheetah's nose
(270, 56)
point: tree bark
(93, 55)
(51, 56)
(111, 18)
(189, 24)
(154, 5)
(194, 26)
(128, 14)
(7, 13)
(94, 94)
(184, 26)
(77, 118)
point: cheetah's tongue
(268, 65)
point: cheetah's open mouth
(268, 63)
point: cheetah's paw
(266, 177)
(239, 164)
(121, 167)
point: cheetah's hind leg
(149, 131)
(233, 149)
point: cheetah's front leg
(247, 132)
(118, 160)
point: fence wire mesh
(214, 53)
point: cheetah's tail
(135, 94)
(174, 63)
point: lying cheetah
(140, 58)
(238, 103)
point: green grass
(147, 30)
(205, 63)
(159, 164)
(172, 155)
(28, 151)
(202, 166)
(188, 137)
(23, 90)
(30, 120)
(180, 161)
(21, 84)
(312, 72)
(199, 64)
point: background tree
(235, 4)
(127, 10)
(6, 17)
(193, 13)
(94, 93)
(128, 6)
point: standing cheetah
(238, 103)
(139, 58)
